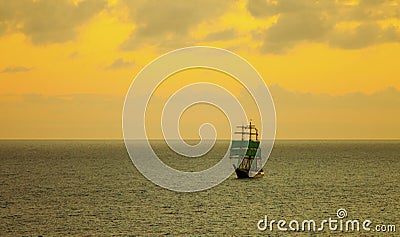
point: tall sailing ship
(247, 153)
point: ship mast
(251, 127)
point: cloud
(364, 35)
(354, 115)
(221, 35)
(388, 98)
(316, 21)
(372, 10)
(47, 21)
(260, 8)
(73, 55)
(16, 69)
(61, 116)
(299, 115)
(292, 28)
(169, 22)
(3, 28)
(119, 63)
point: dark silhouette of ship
(247, 153)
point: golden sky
(332, 65)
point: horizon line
(192, 139)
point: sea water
(82, 188)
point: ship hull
(244, 174)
